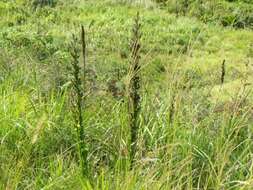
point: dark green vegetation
(235, 13)
(194, 116)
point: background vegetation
(196, 114)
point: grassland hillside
(162, 100)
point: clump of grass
(134, 98)
(78, 98)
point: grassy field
(195, 124)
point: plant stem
(134, 87)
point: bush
(42, 3)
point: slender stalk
(77, 108)
(172, 109)
(134, 99)
(223, 71)
(83, 41)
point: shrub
(42, 3)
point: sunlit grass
(195, 133)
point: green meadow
(174, 112)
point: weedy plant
(134, 98)
(78, 98)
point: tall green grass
(193, 133)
